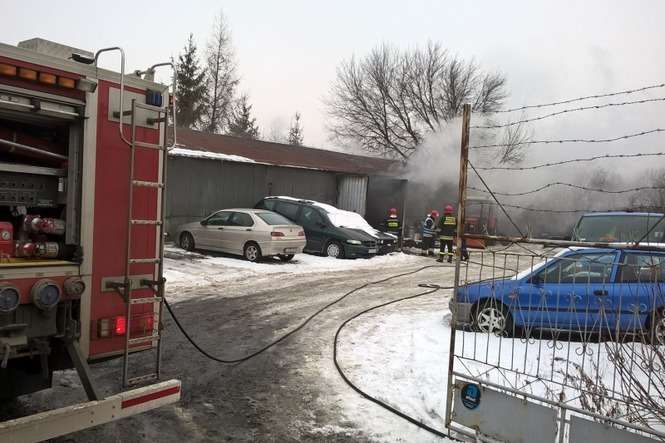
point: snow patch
(183, 152)
(186, 270)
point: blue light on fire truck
(9, 298)
(153, 98)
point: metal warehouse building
(207, 172)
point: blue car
(582, 290)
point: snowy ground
(293, 392)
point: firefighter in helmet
(447, 228)
(393, 224)
(429, 229)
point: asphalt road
(281, 395)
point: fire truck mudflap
(58, 422)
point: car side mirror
(320, 224)
(537, 280)
(204, 222)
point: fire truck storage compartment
(40, 195)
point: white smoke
(433, 171)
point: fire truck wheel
(187, 241)
(252, 252)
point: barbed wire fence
(580, 332)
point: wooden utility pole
(461, 214)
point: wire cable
(568, 185)
(565, 162)
(294, 330)
(572, 100)
(495, 199)
(569, 140)
(566, 111)
(369, 397)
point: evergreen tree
(191, 87)
(242, 123)
(296, 132)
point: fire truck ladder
(153, 340)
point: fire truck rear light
(66, 82)
(27, 74)
(46, 78)
(148, 323)
(9, 298)
(120, 327)
(103, 330)
(276, 234)
(7, 69)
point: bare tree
(296, 131)
(277, 131)
(221, 78)
(653, 199)
(388, 100)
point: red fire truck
(480, 219)
(82, 173)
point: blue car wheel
(492, 317)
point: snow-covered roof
(182, 152)
(278, 154)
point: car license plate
(372, 251)
(289, 250)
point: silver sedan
(252, 233)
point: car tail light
(301, 233)
(276, 234)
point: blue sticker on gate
(470, 395)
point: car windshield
(620, 228)
(273, 219)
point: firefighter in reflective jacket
(429, 229)
(447, 228)
(393, 224)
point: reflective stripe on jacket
(393, 224)
(428, 227)
(447, 227)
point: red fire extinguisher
(44, 225)
(47, 249)
(6, 239)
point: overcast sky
(287, 51)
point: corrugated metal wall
(197, 187)
(352, 193)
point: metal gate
(555, 341)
